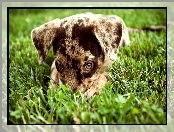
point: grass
(136, 93)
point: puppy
(83, 45)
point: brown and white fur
(84, 45)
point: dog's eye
(88, 66)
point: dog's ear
(109, 34)
(125, 40)
(43, 37)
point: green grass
(136, 93)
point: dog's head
(83, 45)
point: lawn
(136, 93)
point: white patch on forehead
(73, 48)
(90, 56)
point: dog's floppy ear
(125, 40)
(43, 37)
(109, 34)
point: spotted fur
(84, 45)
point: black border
(85, 7)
